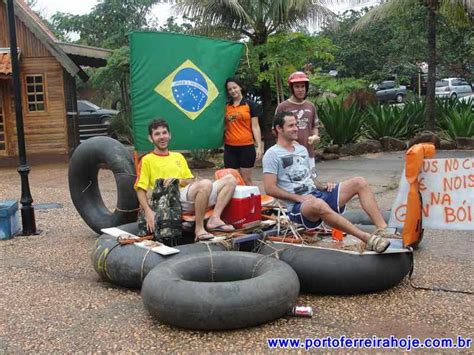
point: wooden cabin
(48, 69)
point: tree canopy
(395, 45)
(458, 11)
(108, 24)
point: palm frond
(258, 16)
(232, 13)
(382, 11)
(215, 31)
(317, 15)
(459, 12)
(467, 5)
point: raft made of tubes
(336, 271)
(127, 265)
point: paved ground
(52, 301)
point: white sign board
(447, 190)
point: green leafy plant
(382, 121)
(458, 123)
(396, 122)
(414, 112)
(343, 125)
(121, 127)
(199, 154)
(444, 106)
(338, 86)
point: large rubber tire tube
(336, 272)
(127, 265)
(92, 155)
(244, 290)
(359, 216)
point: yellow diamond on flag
(189, 89)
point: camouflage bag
(167, 207)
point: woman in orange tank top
(242, 131)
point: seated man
(287, 176)
(195, 195)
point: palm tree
(456, 10)
(257, 20)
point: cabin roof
(86, 55)
(70, 56)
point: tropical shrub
(393, 121)
(121, 127)
(343, 125)
(458, 122)
(415, 116)
(362, 98)
(444, 106)
(337, 86)
(199, 154)
(381, 121)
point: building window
(35, 93)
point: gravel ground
(52, 301)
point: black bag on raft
(167, 207)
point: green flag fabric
(181, 78)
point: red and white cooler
(245, 208)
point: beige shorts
(188, 206)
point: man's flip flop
(203, 237)
(221, 228)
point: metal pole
(419, 84)
(27, 210)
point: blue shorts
(331, 198)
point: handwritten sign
(447, 190)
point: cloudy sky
(49, 7)
(161, 11)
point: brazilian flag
(181, 78)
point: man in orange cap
(305, 113)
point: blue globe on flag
(190, 89)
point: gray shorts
(188, 206)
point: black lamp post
(27, 210)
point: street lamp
(27, 210)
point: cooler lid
(6, 206)
(245, 191)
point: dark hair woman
(242, 132)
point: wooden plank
(46, 40)
(46, 148)
(30, 45)
(44, 131)
(4, 43)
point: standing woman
(242, 132)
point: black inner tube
(92, 155)
(220, 290)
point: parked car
(93, 120)
(452, 88)
(388, 91)
(90, 113)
